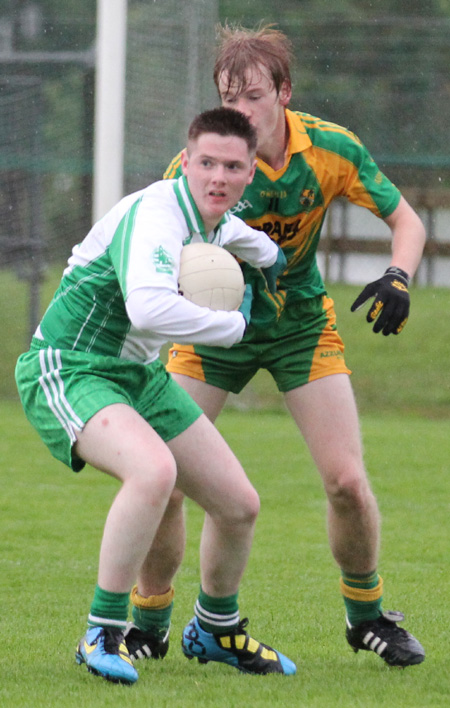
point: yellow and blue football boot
(105, 654)
(236, 648)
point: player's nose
(219, 176)
(242, 106)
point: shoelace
(113, 639)
(240, 629)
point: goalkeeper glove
(246, 305)
(391, 304)
(272, 272)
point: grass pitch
(52, 522)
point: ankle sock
(218, 615)
(152, 614)
(363, 595)
(109, 609)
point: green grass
(51, 527)
(52, 523)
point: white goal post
(109, 105)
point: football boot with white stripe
(105, 654)
(235, 648)
(145, 645)
(395, 645)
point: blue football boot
(105, 654)
(236, 648)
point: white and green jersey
(119, 293)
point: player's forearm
(408, 237)
(253, 247)
(176, 319)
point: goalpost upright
(109, 105)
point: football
(210, 277)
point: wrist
(395, 270)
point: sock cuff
(216, 622)
(152, 602)
(362, 594)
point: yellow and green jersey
(323, 161)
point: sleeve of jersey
(365, 184)
(176, 319)
(145, 253)
(250, 245)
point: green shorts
(61, 390)
(301, 346)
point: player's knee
(253, 505)
(349, 491)
(156, 482)
(245, 511)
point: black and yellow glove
(390, 309)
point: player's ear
(285, 93)
(184, 161)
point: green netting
(379, 68)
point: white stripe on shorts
(53, 387)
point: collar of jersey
(191, 213)
(299, 140)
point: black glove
(391, 304)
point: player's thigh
(210, 473)
(227, 369)
(210, 398)
(325, 412)
(117, 440)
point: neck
(273, 152)
(209, 224)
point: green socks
(152, 614)
(218, 615)
(109, 609)
(362, 596)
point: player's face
(218, 168)
(259, 101)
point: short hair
(240, 49)
(224, 121)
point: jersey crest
(163, 261)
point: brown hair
(240, 49)
(224, 121)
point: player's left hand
(272, 272)
(390, 309)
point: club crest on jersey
(307, 198)
(162, 260)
